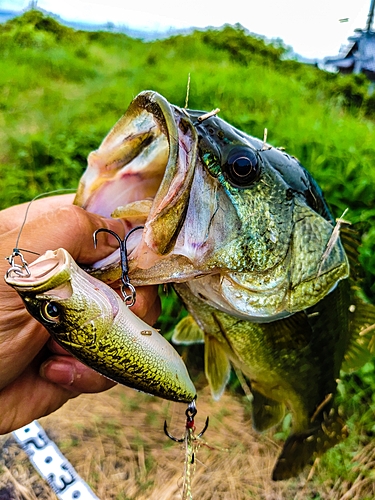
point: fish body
(243, 232)
(288, 366)
(89, 319)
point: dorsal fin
(362, 314)
(351, 239)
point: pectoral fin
(217, 366)
(188, 332)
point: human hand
(37, 376)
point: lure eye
(50, 311)
(242, 167)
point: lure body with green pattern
(90, 320)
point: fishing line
(17, 252)
(192, 442)
(41, 195)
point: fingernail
(58, 372)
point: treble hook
(129, 298)
(190, 413)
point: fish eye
(241, 167)
(50, 311)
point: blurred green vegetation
(61, 91)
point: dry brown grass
(115, 441)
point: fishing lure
(154, 365)
(89, 319)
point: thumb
(72, 228)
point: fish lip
(51, 266)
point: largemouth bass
(91, 321)
(243, 233)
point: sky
(314, 29)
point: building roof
(358, 56)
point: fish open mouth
(142, 173)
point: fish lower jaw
(150, 269)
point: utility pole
(370, 15)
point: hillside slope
(62, 90)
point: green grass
(62, 90)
